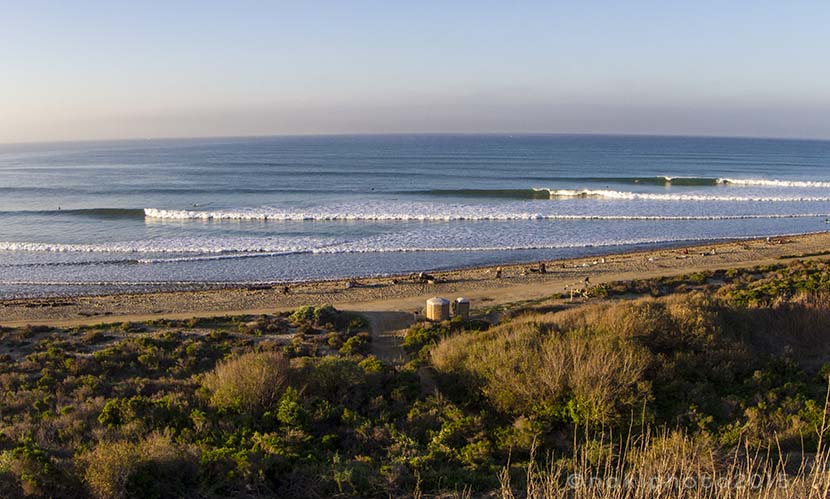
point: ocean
(132, 216)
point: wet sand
(404, 294)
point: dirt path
(387, 334)
(388, 329)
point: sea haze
(79, 218)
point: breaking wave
(664, 181)
(802, 184)
(187, 249)
(426, 213)
(213, 246)
(626, 195)
(361, 247)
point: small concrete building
(462, 308)
(438, 309)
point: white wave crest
(425, 213)
(633, 196)
(368, 248)
(192, 249)
(808, 184)
(214, 246)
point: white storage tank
(438, 309)
(462, 308)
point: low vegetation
(709, 385)
(249, 383)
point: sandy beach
(401, 293)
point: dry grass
(595, 354)
(678, 466)
(114, 467)
(248, 383)
(537, 360)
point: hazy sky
(89, 70)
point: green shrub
(371, 364)
(331, 378)
(290, 410)
(424, 334)
(326, 316)
(302, 314)
(148, 413)
(335, 340)
(356, 345)
(28, 470)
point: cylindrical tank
(462, 307)
(438, 309)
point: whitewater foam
(803, 184)
(632, 196)
(214, 246)
(415, 212)
(366, 248)
(418, 239)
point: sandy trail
(387, 334)
(388, 294)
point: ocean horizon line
(289, 135)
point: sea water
(80, 218)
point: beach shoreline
(400, 292)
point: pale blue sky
(88, 70)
